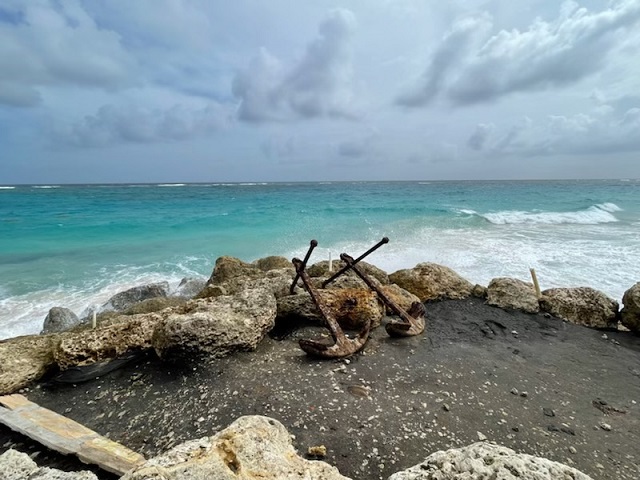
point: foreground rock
(250, 448)
(217, 326)
(482, 461)
(59, 319)
(126, 334)
(582, 306)
(189, 287)
(123, 300)
(512, 293)
(16, 465)
(630, 314)
(231, 276)
(429, 281)
(25, 359)
(352, 307)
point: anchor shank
(361, 257)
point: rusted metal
(343, 346)
(412, 321)
(361, 257)
(312, 244)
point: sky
(108, 91)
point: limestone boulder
(231, 276)
(227, 269)
(630, 314)
(216, 326)
(25, 359)
(16, 465)
(121, 335)
(149, 306)
(512, 293)
(189, 287)
(59, 319)
(253, 447)
(582, 306)
(352, 307)
(273, 263)
(430, 281)
(123, 300)
(399, 296)
(485, 460)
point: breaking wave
(596, 214)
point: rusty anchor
(412, 321)
(343, 346)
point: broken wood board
(63, 435)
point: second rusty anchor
(412, 322)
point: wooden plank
(14, 401)
(65, 435)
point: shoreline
(383, 410)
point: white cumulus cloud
(472, 65)
(317, 85)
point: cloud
(128, 124)
(605, 130)
(317, 85)
(56, 43)
(472, 66)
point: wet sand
(532, 383)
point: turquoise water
(75, 246)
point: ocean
(77, 245)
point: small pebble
(606, 427)
(514, 391)
(446, 407)
(481, 436)
(548, 412)
(573, 450)
(317, 451)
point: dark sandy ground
(535, 384)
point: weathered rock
(189, 287)
(429, 281)
(630, 314)
(321, 269)
(273, 263)
(399, 296)
(253, 447)
(484, 460)
(16, 465)
(153, 305)
(231, 276)
(123, 300)
(352, 308)
(124, 334)
(512, 293)
(231, 268)
(59, 319)
(582, 306)
(216, 326)
(25, 359)
(479, 291)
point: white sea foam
(171, 185)
(24, 314)
(575, 255)
(45, 186)
(596, 214)
(6, 188)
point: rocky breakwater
(241, 302)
